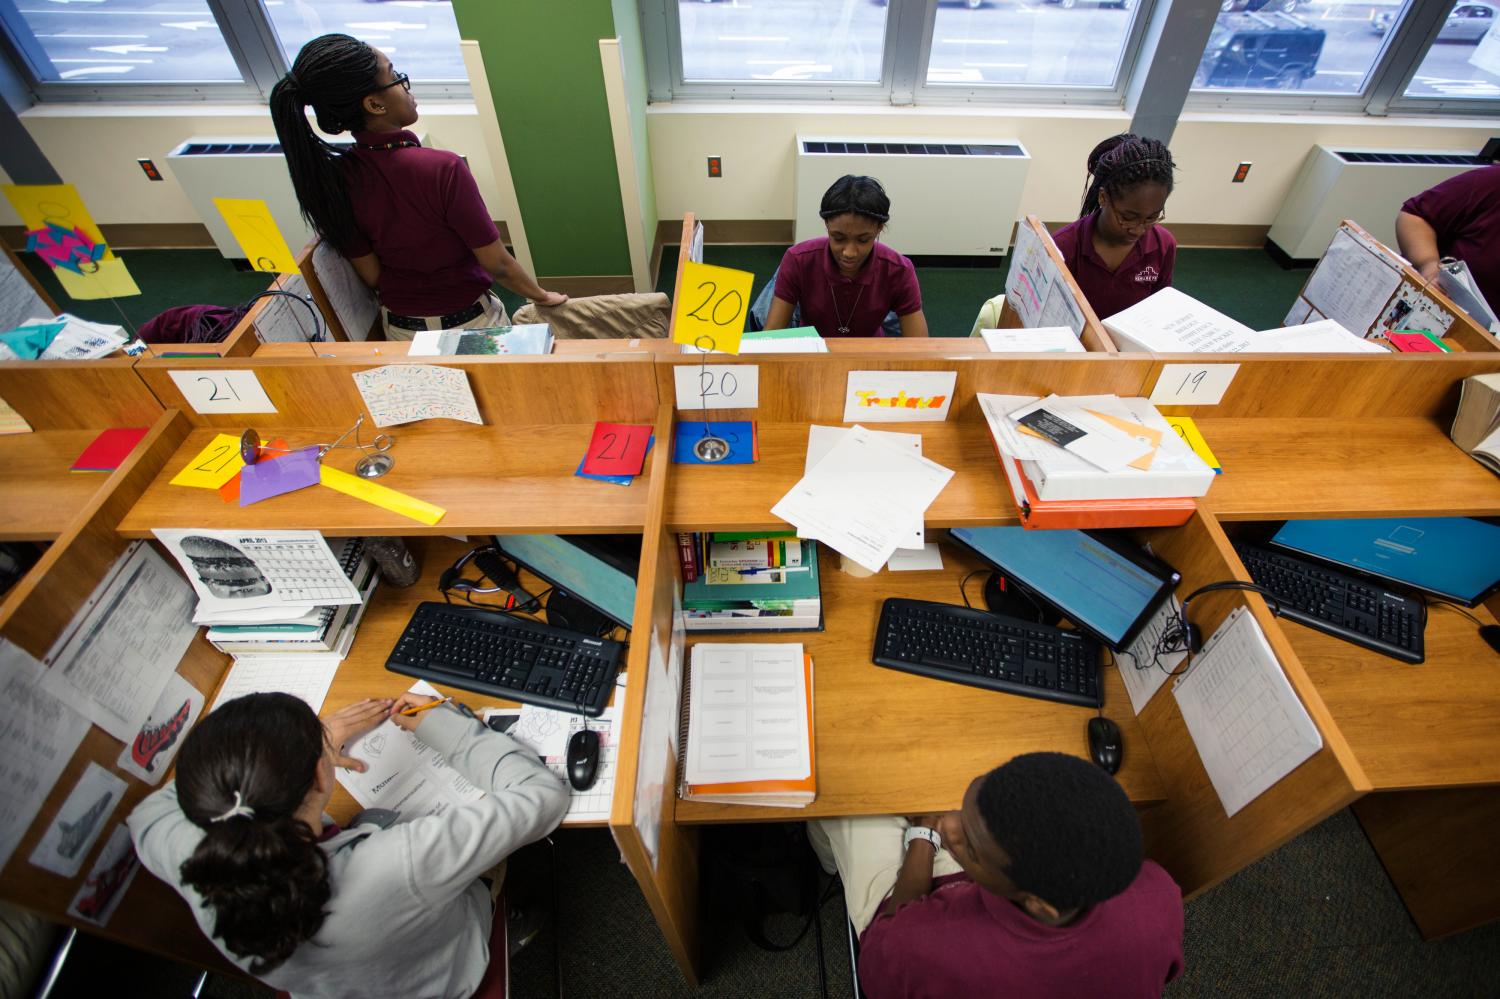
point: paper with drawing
(404, 393)
(79, 822)
(405, 774)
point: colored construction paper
(229, 492)
(710, 311)
(617, 449)
(619, 480)
(254, 228)
(109, 449)
(382, 496)
(740, 436)
(28, 342)
(1417, 342)
(284, 474)
(213, 466)
(50, 210)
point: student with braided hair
(323, 912)
(409, 219)
(1116, 250)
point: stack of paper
(529, 338)
(1099, 447)
(801, 340)
(750, 726)
(63, 337)
(1324, 336)
(1170, 322)
(866, 496)
(1042, 340)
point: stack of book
(750, 582)
(747, 726)
(325, 629)
(1476, 427)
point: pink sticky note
(286, 474)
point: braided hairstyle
(333, 73)
(241, 776)
(1121, 162)
(852, 195)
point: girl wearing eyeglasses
(1117, 250)
(409, 219)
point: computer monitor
(1454, 558)
(597, 570)
(1106, 586)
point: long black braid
(333, 73)
(1121, 162)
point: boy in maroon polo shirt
(1116, 250)
(1044, 893)
(1458, 218)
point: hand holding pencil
(407, 709)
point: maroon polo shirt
(420, 212)
(1465, 212)
(886, 282)
(1146, 270)
(960, 940)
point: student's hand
(1429, 270)
(349, 723)
(410, 700)
(930, 821)
(550, 299)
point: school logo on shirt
(1147, 275)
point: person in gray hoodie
(323, 913)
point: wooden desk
(515, 479)
(890, 743)
(40, 495)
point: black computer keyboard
(509, 657)
(1339, 604)
(986, 650)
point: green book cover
(702, 595)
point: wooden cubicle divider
(36, 610)
(1041, 291)
(691, 228)
(78, 395)
(1356, 247)
(349, 307)
(662, 855)
(1190, 833)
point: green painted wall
(542, 58)
(633, 54)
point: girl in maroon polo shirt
(1116, 250)
(409, 219)
(845, 284)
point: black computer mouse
(583, 759)
(1491, 634)
(1105, 745)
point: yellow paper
(215, 465)
(12, 422)
(249, 219)
(382, 496)
(711, 309)
(1188, 431)
(42, 204)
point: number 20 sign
(712, 303)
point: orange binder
(1040, 514)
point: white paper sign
(898, 396)
(79, 822)
(223, 391)
(718, 386)
(1192, 384)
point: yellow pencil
(417, 709)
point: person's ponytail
(333, 74)
(242, 776)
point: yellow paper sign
(215, 465)
(41, 205)
(249, 219)
(710, 312)
(1188, 431)
(381, 496)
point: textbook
(326, 628)
(786, 598)
(1476, 426)
(747, 735)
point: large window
(214, 49)
(1464, 60)
(787, 40)
(1057, 43)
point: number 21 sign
(712, 303)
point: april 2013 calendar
(233, 571)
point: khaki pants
(494, 314)
(867, 852)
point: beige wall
(757, 144)
(95, 149)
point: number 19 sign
(711, 307)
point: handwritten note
(218, 391)
(38, 734)
(711, 308)
(253, 227)
(898, 396)
(717, 386)
(616, 449)
(1192, 384)
(404, 393)
(215, 465)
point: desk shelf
(41, 495)
(511, 480)
(889, 742)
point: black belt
(447, 322)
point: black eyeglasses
(402, 80)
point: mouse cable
(963, 586)
(1459, 608)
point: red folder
(1040, 514)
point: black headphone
(1187, 636)
(492, 566)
